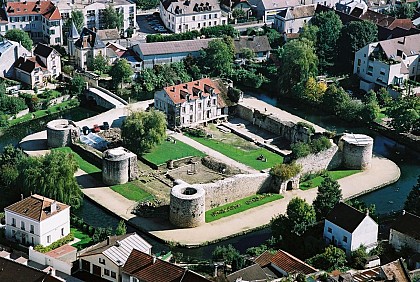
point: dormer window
(399, 53)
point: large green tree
(77, 86)
(403, 11)
(217, 58)
(332, 258)
(298, 63)
(21, 36)
(141, 131)
(329, 29)
(78, 19)
(121, 72)
(412, 204)
(112, 18)
(405, 114)
(99, 64)
(329, 194)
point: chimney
(185, 86)
(367, 212)
(154, 259)
(21, 196)
(107, 240)
(53, 207)
(403, 212)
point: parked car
(85, 130)
(105, 126)
(96, 128)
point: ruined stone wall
(234, 188)
(328, 159)
(133, 171)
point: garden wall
(234, 188)
(327, 159)
(88, 153)
(57, 264)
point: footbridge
(105, 98)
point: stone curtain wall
(235, 188)
(328, 159)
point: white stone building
(44, 65)
(107, 258)
(292, 19)
(182, 16)
(192, 103)
(37, 220)
(10, 51)
(93, 10)
(405, 232)
(348, 228)
(388, 62)
(41, 19)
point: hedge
(55, 245)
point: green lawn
(83, 164)
(241, 206)
(85, 240)
(131, 191)
(247, 157)
(171, 151)
(335, 174)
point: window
(102, 261)
(32, 229)
(193, 18)
(62, 231)
(205, 17)
(215, 22)
(199, 25)
(113, 274)
(191, 108)
(14, 222)
(57, 40)
(183, 110)
(204, 24)
(22, 225)
(209, 23)
(32, 241)
(214, 102)
(106, 272)
(49, 239)
(345, 239)
(191, 118)
(199, 106)
(329, 230)
(209, 17)
(215, 16)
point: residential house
(258, 44)
(44, 65)
(40, 19)
(182, 16)
(253, 272)
(147, 268)
(123, 53)
(37, 220)
(193, 103)
(158, 53)
(292, 19)
(282, 264)
(388, 62)
(267, 9)
(93, 12)
(405, 232)
(348, 228)
(230, 5)
(107, 258)
(10, 51)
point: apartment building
(292, 19)
(182, 16)
(41, 19)
(10, 51)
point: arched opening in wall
(289, 186)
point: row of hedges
(208, 32)
(80, 224)
(302, 149)
(56, 244)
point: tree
(405, 114)
(369, 97)
(403, 11)
(298, 61)
(21, 36)
(238, 13)
(359, 257)
(99, 64)
(336, 100)
(383, 96)
(141, 131)
(314, 91)
(101, 234)
(310, 33)
(332, 258)
(112, 18)
(329, 194)
(412, 204)
(354, 36)
(301, 215)
(285, 171)
(329, 29)
(247, 53)
(361, 206)
(121, 228)
(77, 86)
(147, 4)
(121, 72)
(78, 19)
(217, 58)
(225, 253)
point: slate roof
(43, 50)
(256, 43)
(191, 7)
(108, 34)
(286, 262)
(277, 4)
(118, 248)
(299, 12)
(73, 33)
(408, 224)
(45, 8)
(173, 47)
(36, 207)
(146, 268)
(89, 39)
(408, 44)
(16, 272)
(251, 273)
(346, 217)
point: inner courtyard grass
(131, 191)
(170, 150)
(83, 164)
(85, 239)
(334, 174)
(247, 157)
(239, 206)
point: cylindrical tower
(60, 132)
(116, 165)
(187, 206)
(357, 151)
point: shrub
(285, 171)
(234, 94)
(196, 132)
(300, 150)
(320, 144)
(55, 245)
(307, 125)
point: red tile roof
(45, 8)
(402, 23)
(286, 262)
(178, 93)
(61, 251)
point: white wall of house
(102, 265)
(44, 259)
(55, 227)
(337, 236)
(289, 25)
(9, 57)
(399, 240)
(29, 78)
(83, 56)
(19, 227)
(366, 234)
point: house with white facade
(258, 44)
(10, 51)
(37, 220)
(292, 19)
(388, 62)
(93, 12)
(40, 19)
(193, 103)
(405, 232)
(38, 69)
(182, 16)
(107, 258)
(348, 228)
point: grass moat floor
(334, 174)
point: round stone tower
(119, 166)
(357, 151)
(60, 133)
(187, 205)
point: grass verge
(335, 174)
(247, 157)
(240, 206)
(169, 150)
(83, 164)
(131, 191)
(85, 239)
